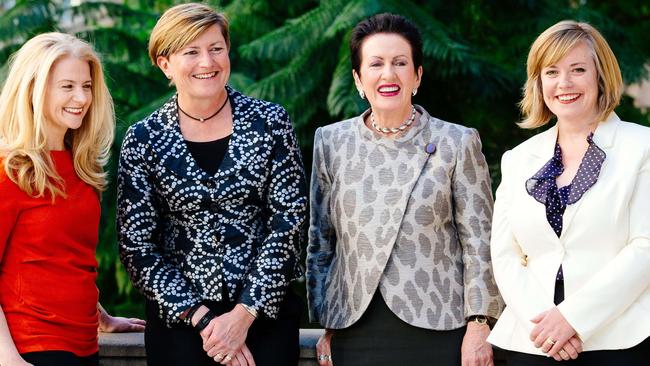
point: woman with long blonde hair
(56, 129)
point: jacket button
(214, 206)
(524, 260)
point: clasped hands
(555, 336)
(225, 336)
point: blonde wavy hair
(23, 138)
(549, 48)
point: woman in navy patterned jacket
(212, 202)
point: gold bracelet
(250, 310)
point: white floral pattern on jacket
(186, 236)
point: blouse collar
(543, 183)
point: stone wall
(127, 349)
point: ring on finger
(564, 353)
(227, 358)
(218, 357)
(550, 341)
(324, 357)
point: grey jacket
(394, 215)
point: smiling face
(201, 69)
(570, 86)
(67, 97)
(387, 73)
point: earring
(415, 91)
(362, 95)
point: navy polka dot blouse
(543, 187)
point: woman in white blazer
(571, 230)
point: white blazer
(604, 248)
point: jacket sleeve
(520, 289)
(138, 221)
(472, 210)
(286, 210)
(321, 248)
(619, 283)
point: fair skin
(387, 75)
(200, 72)
(570, 89)
(67, 100)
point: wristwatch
(481, 319)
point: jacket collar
(168, 143)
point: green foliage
(295, 52)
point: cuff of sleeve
(581, 331)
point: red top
(48, 266)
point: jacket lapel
(531, 210)
(169, 145)
(604, 139)
(249, 132)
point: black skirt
(381, 338)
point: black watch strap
(481, 319)
(205, 320)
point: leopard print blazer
(408, 216)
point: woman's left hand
(552, 332)
(118, 324)
(476, 351)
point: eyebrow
(381, 58)
(73, 81)
(573, 64)
(211, 44)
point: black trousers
(59, 358)
(381, 338)
(638, 355)
(271, 342)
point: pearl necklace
(401, 128)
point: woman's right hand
(323, 350)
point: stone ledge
(127, 349)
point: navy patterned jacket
(186, 236)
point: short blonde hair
(551, 46)
(182, 24)
(23, 138)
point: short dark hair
(385, 23)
